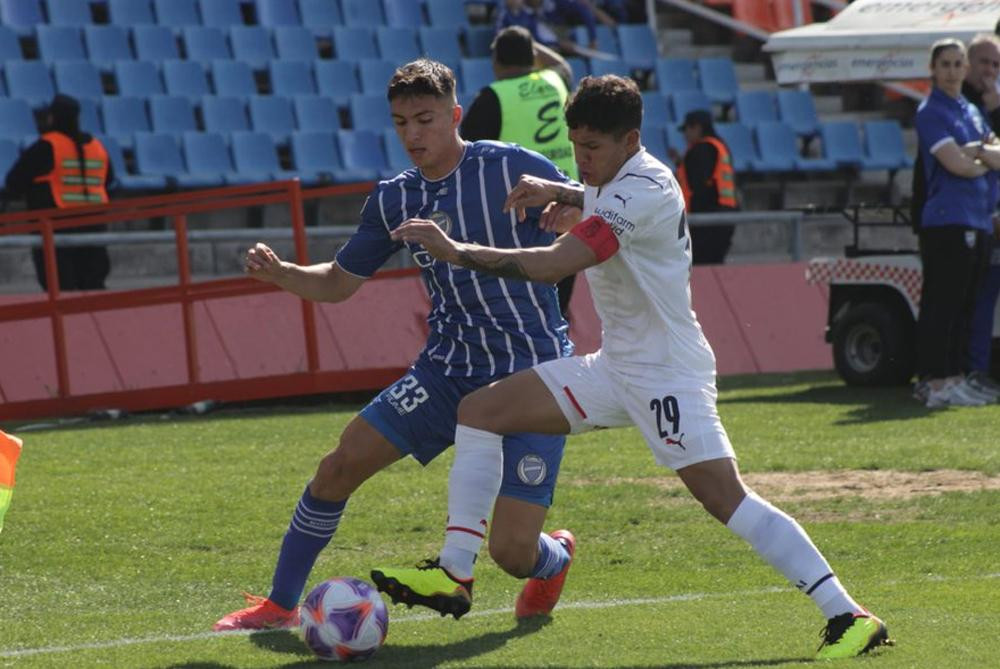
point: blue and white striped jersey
(480, 325)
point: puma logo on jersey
(669, 441)
(624, 198)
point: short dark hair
(609, 104)
(422, 77)
(514, 46)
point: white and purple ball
(344, 619)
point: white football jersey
(642, 293)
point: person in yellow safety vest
(525, 105)
(65, 168)
(707, 181)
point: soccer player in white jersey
(655, 369)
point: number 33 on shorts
(407, 394)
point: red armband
(598, 235)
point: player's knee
(335, 477)
(720, 503)
(475, 410)
(514, 556)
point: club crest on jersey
(531, 469)
(442, 220)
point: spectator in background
(525, 106)
(706, 178)
(538, 17)
(66, 168)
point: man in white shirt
(655, 369)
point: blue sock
(311, 529)
(552, 557)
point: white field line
(422, 617)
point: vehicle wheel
(873, 345)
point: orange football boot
(539, 596)
(262, 614)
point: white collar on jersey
(626, 167)
(465, 150)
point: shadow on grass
(872, 405)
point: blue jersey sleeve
(370, 246)
(932, 127)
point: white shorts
(678, 420)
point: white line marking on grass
(422, 617)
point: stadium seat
(447, 14)
(656, 109)
(17, 123)
(177, 13)
(185, 78)
(638, 45)
(295, 43)
(579, 67)
(220, 13)
(155, 43)
(441, 44)
(479, 39)
(362, 150)
(354, 43)
(362, 13)
(29, 80)
(10, 47)
(337, 79)
(476, 73)
(606, 40)
(233, 78)
(60, 43)
(9, 153)
(252, 45)
(204, 44)
(370, 112)
(688, 101)
(398, 45)
(256, 157)
(403, 14)
(125, 180)
(739, 139)
(123, 117)
(315, 113)
(291, 77)
(676, 74)
(718, 80)
(69, 13)
(90, 118)
(160, 155)
(317, 159)
(131, 12)
(396, 156)
(276, 13)
(375, 75)
(753, 107)
(171, 114)
(599, 67)
(106, 45)
(78, 78)
(796, 108)
(675, 139)
(224, 115)
(138, 78)
(272, 114)
(654, 141)
(21, 16)
(207, 156)
(320, 16)
(842, 144)
(783, 150)
(884, 146)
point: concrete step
(747, 73)
(699, 51)
(856, 116)
(674, 36)
(828, 104)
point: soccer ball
(344, 619)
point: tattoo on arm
(570, 196)
(505, 267)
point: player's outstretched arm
(532, 191)
(325, 282)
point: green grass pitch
(126, 541)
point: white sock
(473, 486)
(784, 544)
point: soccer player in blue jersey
(482, 328)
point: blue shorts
(417, 414)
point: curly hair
(422, 77)
(609, 104)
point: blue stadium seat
(233, 78)
(158, 154)
(739, 139)
(60, 43)
(753, 107)
(131, 12)
(127, 181)
(275, 13)
(224, 115)
(204, 44)
(291, 77)
(69, 12)
(396, 155)
(403, 14)
(398, 45)
(252, 45)
(21, 16)
(317, 160)
(154, 43)
(123, 117)
(177, 13)
(362, 150)
(107, 44)
(580, 68)
(320, 16)
(17, 123)
(337, 79)
(654, 141)
(90, 117)
(842, 144)
(295, 43)
(656, 110)
(606, 40)
(354, 43)
(638, 45)
(256, 157)
(185, 78)
(78, 78)
(29, 80)
(172, 114)
(315, 113)
(676, 74)
(272, 114)
(718, 79)
(783, 149)
(884, 147)
(688, 101)
(362, 13)
(10, 47)
(600, 67)
(441, 44)
(476, 73)
(447, 14)
(675, 139)
(479, 39)
(370, 112)
(220, 13)
(207, 156)
(9, 153)
(375, 75)
(796, 108)
(139, 78)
